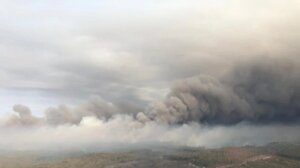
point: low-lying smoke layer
(123, 131)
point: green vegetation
(275, 155)
(288, 150)
(284, 155)
(213, 158)
(89, 161)
(277, 162)
(86, 161)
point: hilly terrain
(275, 155)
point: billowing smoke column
(259, 92)
(254, 103)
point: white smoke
(125, 130)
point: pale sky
(80, 74)
(130, 52)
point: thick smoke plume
(254, 103)
(263, 91)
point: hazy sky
(186, 72)
(130, 52)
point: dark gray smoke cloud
(262, 91)
(256, 102)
